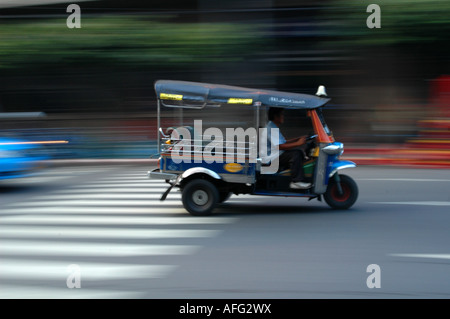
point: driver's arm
(294, 139)
(293, 143)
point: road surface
(104, 230)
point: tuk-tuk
(208, 171)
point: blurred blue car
(19, 158)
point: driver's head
(276, 115)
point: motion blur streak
(87, 96)
(389, 87)
(40, 142)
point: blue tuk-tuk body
(205, 183)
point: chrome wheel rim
(200, 197)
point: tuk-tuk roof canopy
(184, 93)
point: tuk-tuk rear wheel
(199, 197)
(342, 198)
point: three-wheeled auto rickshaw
(209, 170)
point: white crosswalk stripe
(38, 232)
(100, 202)
(36, 209)
(113, 220)
(139, 180)
(136, 177)
(107, 196)
(13, 269)
(111, 190)
(125, 184)
(50, 175)
(113, 227)
(20, 247)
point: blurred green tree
(402, 21)
(121, 40)
(412, 43)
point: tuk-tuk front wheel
(199, 197)
(342, 197)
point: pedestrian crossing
(55, 174)
(110, 224)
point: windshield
(322, 120)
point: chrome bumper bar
(157, 174)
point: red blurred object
(440, 95)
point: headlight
(333, 149)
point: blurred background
(92, 88)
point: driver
(290, 155)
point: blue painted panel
(168, 164)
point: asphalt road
(103, 229)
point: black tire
(349, 196)
(224, 196)
(200, 197)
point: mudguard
(338, 165)
(200, 170)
